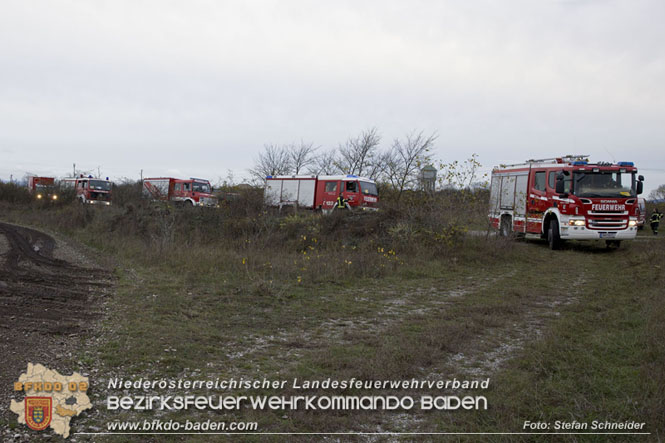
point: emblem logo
(38, 412)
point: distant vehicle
(43, 188)
(90, 190)
(321, 192)
(642, 216)
(188, 192)
(566, 198)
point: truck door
(177, 191)
(538, 202)
(331, 191)
(352, 192)
(82, 188)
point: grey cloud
(201, 86)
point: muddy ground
(50, 297)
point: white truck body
(289, 191)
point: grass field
(564, 335)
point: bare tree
(378, 168)
(301, 156)
(358, 154)
(274, 160)
(324, 164)
(658, 193)
(406, 158)
(226, 182)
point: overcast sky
(196, 88)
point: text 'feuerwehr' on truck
(566, 198)
(90, 190)
(182, 192)
(321, 192)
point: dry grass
(242, 238)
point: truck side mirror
(640, 187)
(640, 178)
(559, 188)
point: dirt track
(47, 306)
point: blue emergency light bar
(351, 176)
(626, 164)
(580, 162)
(268, 176)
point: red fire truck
(43, 188)
(321, 192)
(192, 192)
(566, 198)
(90, 190)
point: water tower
(428, 178)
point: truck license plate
(608, 234)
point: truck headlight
(632, 223)
(576, 222)
(39, 196)
(55, 197)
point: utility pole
(141, 175)
(74, 171)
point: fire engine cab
(43, 188)
(187, 192)
(90, 190)
(566, 198)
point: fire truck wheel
(553, 237)
(506, 229)
(189, 204)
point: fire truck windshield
(100, 185)
(368, 188)
(611, 184)
(201, 187)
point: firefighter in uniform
(656, 216)
(342, 203)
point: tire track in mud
(48, 306)
(41, 293)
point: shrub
(13, 193)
